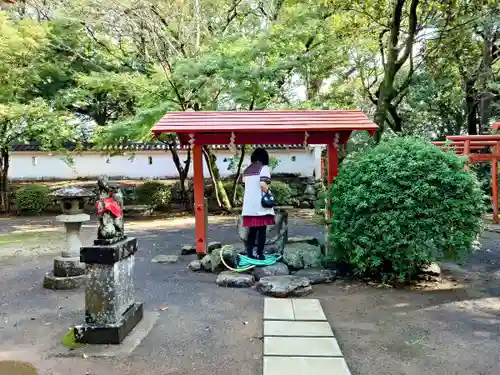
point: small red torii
(466, 144)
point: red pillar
(333, 167)
(494, 184)
(333, 163)
(199, 200)
(467, 151)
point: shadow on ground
(450, 328)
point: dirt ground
(450, 328)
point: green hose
(246, 263)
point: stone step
(298, 340)
(302, 346)
(305, 366)
(297, 329)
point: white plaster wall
(45, 166)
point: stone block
(110, 333)
(109, 291)
(297, 329)
(278, 309)
(308, 309)
(302, 346)
(108, 254)
(63, 283)
(64, 267)
(111, 310)
(305, 365)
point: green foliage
(282, 193)
(228, 186)
(32, 199)
(155, 194)
(320, 204)
(401, 205)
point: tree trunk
(183, 173)
(471, 104)
(220, 192)
(383, 102)
(485, 77)
(4, 181)
(237, 175)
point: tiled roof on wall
(138, 146)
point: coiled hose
(246, 263)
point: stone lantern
(69, 272)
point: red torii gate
(330, 127)
(466, 144)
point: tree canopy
(107, 71)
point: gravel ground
(205, 330)
(446, 329)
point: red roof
(265, 127)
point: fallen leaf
(164, 308)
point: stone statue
(109, 212)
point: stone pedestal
(111, 310)
(68, 272)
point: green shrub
(32, 199)
(320, 203)
(228, 185)
(154, 194)
(282, 193)
(401, 205)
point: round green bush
(32, 199)
(154, 194)
(282, 192)
(401, 205)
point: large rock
(188, 250)
(432, 269)
(284, 286)
(317, 275)
(235, 280)
(165, 259)
(230, 257)
(304, 239)
(213, 246)
(276, 269)
(302, 255)
(206, 262)
(195, 265)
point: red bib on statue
(109, 205)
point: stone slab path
(298, 340)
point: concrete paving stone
(305, 366)
(302, 346)
(297, 329)
(308, 309)
(278, 309)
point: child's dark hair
(260, 155)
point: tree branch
(411, 33)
